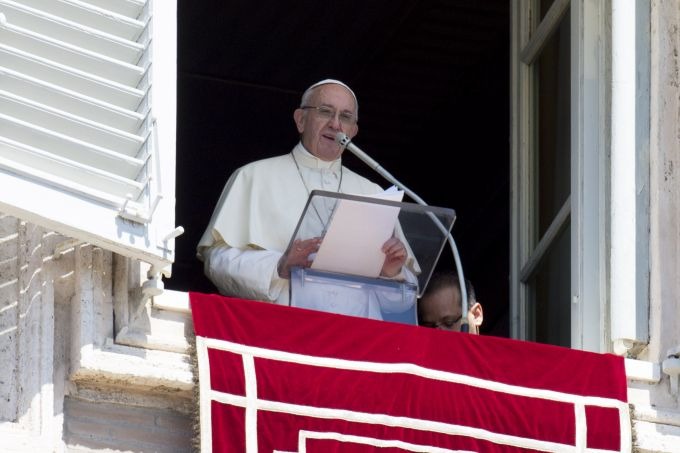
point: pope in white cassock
(244, 245)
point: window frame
(585, 209)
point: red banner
(284, 379)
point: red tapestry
(284, 379)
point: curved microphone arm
(346, 143)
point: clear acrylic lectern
(345, 273)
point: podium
(345, 276)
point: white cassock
(256, 216)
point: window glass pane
(551, 293)
(545, 6)
(553, 70)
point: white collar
(307, 159)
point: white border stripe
(251, 403)
(416, 370)
(626, 432)
(581, 427)
(400, 422)
(205, 391)
(303, 436)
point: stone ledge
(129, 367)
(164, 325)
(655, 437)
(642, 371)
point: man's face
(441, 309)
(318, 133)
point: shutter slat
(92, 16)
(70, 101)
(69, 147)
(72, 33)
(70, 78)
(70, 125)
(130, 8)
(18, 155)
(69, 55)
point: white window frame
(586, 207)
(629, 176)
(589, 314)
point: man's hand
(298, 255)
(395, 257)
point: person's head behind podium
(326, 108)
(441, 305)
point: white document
(356, 234)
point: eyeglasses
(328, 113)
(447, 323)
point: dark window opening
(432, 79)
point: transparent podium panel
(345, 273)
(351, 295)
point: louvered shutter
(87, 120)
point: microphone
(344, 141)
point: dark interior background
(432, 78)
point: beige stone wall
(90, 427)
(657, 408)
(65, 385)
(26, 325)
(665, 179)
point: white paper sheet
(357, 231)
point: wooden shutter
(87, 120)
